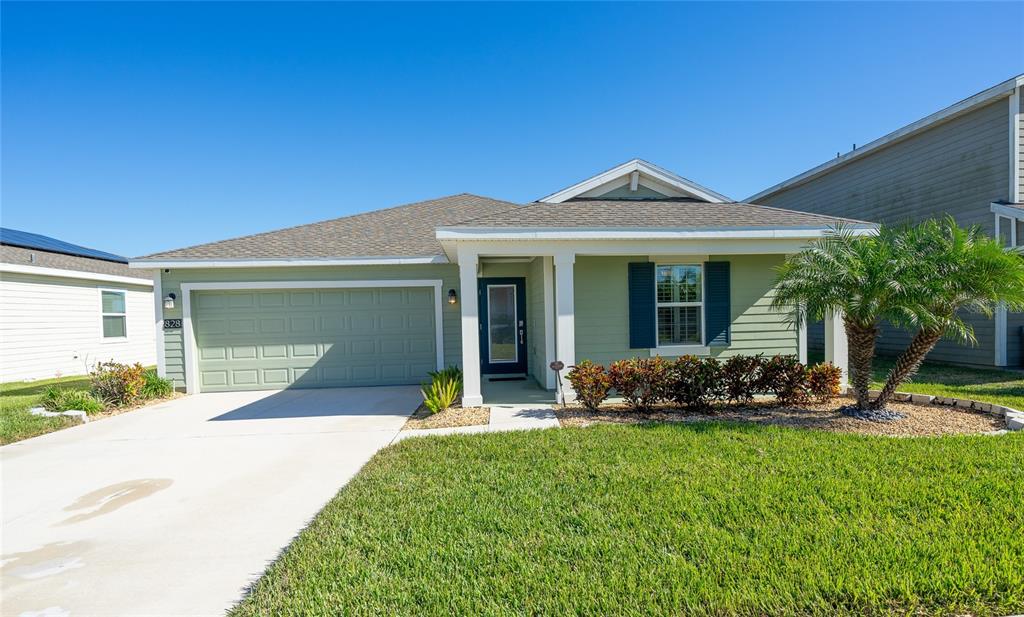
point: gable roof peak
(631, 173)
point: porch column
(801, 338)
(471, 394)
(565, 318)
(837, 350)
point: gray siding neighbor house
(966, 160)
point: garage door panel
(317, 338)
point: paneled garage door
(314, 338)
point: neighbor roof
(39, 242)
(402, 231)
(675, 214)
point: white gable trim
(622, 174)
(74, 274)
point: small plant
(739, 378)
(117, 384)
(155, 386)
(64, 399)
(443, 389)
(823, 381)
(590, 382)
(640, 381)
(694, 382)
(786, 377)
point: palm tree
(862, 277)
(955, 271)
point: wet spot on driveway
(47, 560)
(109, 498)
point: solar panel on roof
(26, 240)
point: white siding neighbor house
(65, 307)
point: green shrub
(443, 389)
(785, 377)
(823, 381)
(117, 384)
(65, 399)
(694, 382)
(155, 386)
(642, 382)
(590, 382)
(739, 378)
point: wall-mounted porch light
(169, 301)
(453, 298)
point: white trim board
(284, 263)
(554, 233)
(189, 343)
(74, 274)
(1007, 211)
(957, 109)
(651, 170)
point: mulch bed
(920, 420)
(116, 411)
(451, 417)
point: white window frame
(688, 348)
(113, 339)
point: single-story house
(635, 261)
(65, 307)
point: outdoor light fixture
(169, 301)
(452, 297)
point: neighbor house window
(114, 318)
(680, 304)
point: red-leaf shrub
(740, 377)
(117, 384)
(640, 381)
(694, 382)
(823, 381)
(591, 383)
(786, 377)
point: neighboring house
(65, 307)
(966, 160)
(635, 261)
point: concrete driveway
(175, 509)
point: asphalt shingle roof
(402, 231)
(651, 214)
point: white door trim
(192, 352)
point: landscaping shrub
(155, 386)
(443, 389)
(694, 382)
(591, 383)
(640, 381)
(118, 384)
(785, 377)
(823, 381)
(740, 378)
(65, 399)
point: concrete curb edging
(1014, 418)
(71, 413)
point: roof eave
(171, 262)
(620, 233)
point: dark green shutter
(641, 306)
(717, 307)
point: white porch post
(471, 393)
(565, 330)
(549, 321)
(801, 342)
(837, 350)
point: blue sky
(134, 128)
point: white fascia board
(74, 274)
(283, 263)
(641, 234)
(1008, 211)
(957, 109)
(658, 173)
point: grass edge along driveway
(707, 518)
(17, 397)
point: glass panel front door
(501, 323)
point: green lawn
(16, 397)
(706, 518)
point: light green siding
(641, 192)
(447, 273)
(535, 319)
(602, 309)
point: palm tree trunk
(861, 341)
(907, 364)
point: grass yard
(707, 518)
(17, 397)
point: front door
(502, 325)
